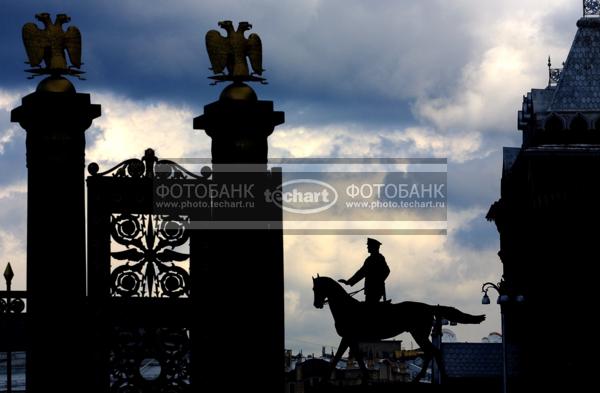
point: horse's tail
(454, 315)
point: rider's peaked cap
(373, 242)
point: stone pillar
(55, 118)
(242, 296)
(239, 125)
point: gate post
(242, 278)
(55, 118)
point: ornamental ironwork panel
(137, 249)
(591, 7)
(149, 256)
(554, 76)
(140, 259)
(150, 360)
(150, 167)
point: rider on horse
(374, 270)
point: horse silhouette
(357, 322)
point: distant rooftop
(472, 360)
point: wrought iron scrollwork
(554, 76)
(169, 352)
(149, 166)
(11, 302)
(151, 247)
(14, 306)
(591, 7)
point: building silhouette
(547, 220)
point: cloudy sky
(389, 78)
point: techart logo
(303, 196)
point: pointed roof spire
(578, 87)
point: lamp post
(503, 299)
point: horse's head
(324, 288)
(319, 292)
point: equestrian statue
(357, 321)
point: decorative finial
(229, 54)
(49, 45)
(8, 274)
(149, 160)
(591, 7)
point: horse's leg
(424, 366)
(361, 363)
(430, 351)
(422, 341)
(338, 355)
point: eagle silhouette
(48, 45)
(230, 52)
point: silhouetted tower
(243, 275)
(547, 219)
(55, 118)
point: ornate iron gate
(140, 278)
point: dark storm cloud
(340, 61)
(13, 210)
(477, 182)
(360, 66)
(125, 48)
(477, 234)
(12, 150)
(371, 114)
(12, 167)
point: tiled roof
(542, 98)
(472, 360)
(579, 86)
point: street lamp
(503, 298)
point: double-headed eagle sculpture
(48, 45)
(229, 53)
(226, 53)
